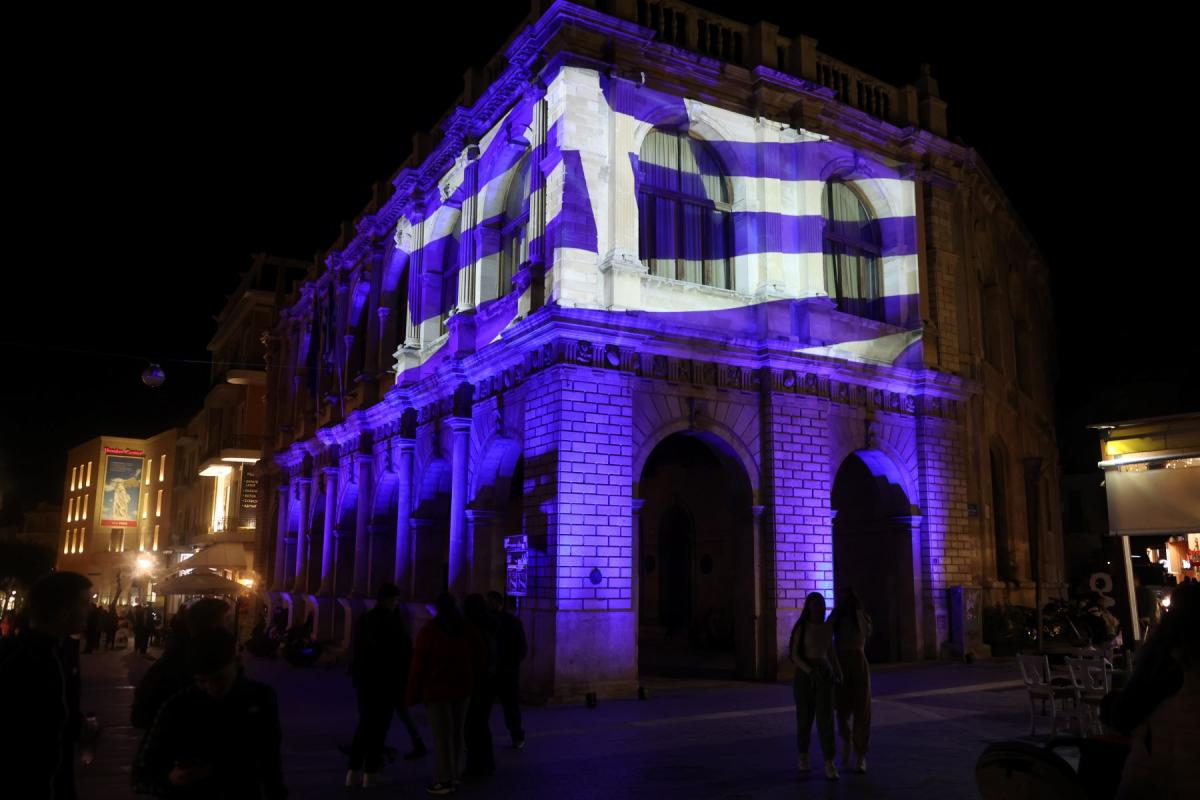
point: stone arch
(382, 528)
(848, 434)
(343, 535)
(430, 523)
(494, 465)
(655, 424)
(876, 550)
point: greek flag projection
(699, 332)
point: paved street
(693, 739)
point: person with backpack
(817, 671)
(851, 629)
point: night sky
(145, 168)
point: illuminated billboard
(122, 487)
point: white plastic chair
(1035, 672)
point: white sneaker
(861, 766)
(804, 764)
(372, 779)
(353, 778)
(831, 772)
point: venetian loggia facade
(713, 319)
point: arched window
(514, 235)
(683, 210)
(853, 274)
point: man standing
(220, 737)
(380, 656)
(41, 665)
(511, 649)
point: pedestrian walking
(511, 649)
(170, 673)
(444, 659)
(481, 758)
(380, 657)
(42, 718)
(142, 622)
(110, 625)
(851, 629)
(812, 653)
(219, 738)
(91, 631)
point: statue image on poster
(122, 491)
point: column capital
(330, 471)
(459, 424)
(637, 504)
(481, 515)
(404, 444)
(303, 481)
(757, 511)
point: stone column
(358, 584)
(636, 572)
(481, 530)
(402, 575)
(281, 527)
(459, 567)
(419, 532)
(303, 538)
(331, 478)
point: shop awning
(200, 582)
(1153, 501)
(222, 555)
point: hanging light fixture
(153, 376)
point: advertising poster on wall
(122, 488)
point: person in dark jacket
(510, 652)
(109, 625)
(477, 733)
(91, 633)
(219, 738)
(380, 656)
(41, 666)
(445, 658)
(170, 673)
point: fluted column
(303, 538)
(459, 566)
(404, 464)
(331, 478)
(281, 527)
(362, 536)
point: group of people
(462, 662)
(832, 675)
(102, 624)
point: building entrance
(696, 576)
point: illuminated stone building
(712, 318)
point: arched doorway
(697, 583)
(430, 527)
(873, 551)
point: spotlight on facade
(143, 563)
(153, 376)
(247, 582)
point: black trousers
(481, 758)
(508, 692)
(374, 717)
(375, 708)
